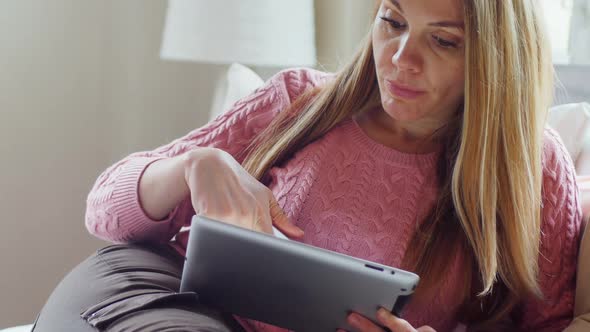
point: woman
(426, 152)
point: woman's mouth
(403, 91)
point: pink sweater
(351, 195)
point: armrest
(579, 324)
(581, 320)
(582, 163)
(582, 307)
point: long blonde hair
(490, 172)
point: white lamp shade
(253, 32)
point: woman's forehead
(445, 9)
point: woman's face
(419, 56)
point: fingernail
(353, 318)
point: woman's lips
(402, 91)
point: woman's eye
(445, 43)
(394, 24)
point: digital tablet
(284, 282)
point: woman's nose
(407, 57)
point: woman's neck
(408, 138)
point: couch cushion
(238, 82)
(23, 328)
(572, 122)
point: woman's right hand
(223, 190)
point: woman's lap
(128, 288)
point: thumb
(282, 222)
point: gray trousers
(131, 287)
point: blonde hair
(490, 171)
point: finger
(264, 221)
(392, 322)
(363, 324)
(282, 221)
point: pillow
(572, 123)
(238, 82)
(24, 328)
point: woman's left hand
(387, 319)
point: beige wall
(81, 86)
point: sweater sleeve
(560, 235)
(113, 210)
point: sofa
(572, 122)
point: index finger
(392, 322)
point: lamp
(262, 33)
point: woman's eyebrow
(396, 3)
(444, 24)
(448, 24)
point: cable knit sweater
(351, 195)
